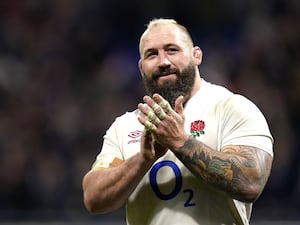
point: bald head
(168, 24)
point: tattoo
(236, 169)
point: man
(192, 153)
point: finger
(164, 104)
(144, 108)
(155, 107)
(146, 132)
(149, 126)
(152, 117)
(142, 116)
(159, 112)
(179, 105)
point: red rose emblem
(197, 128)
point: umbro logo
(135, 136)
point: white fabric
(169, 193)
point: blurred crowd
(68, 68)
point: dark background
(69, 67)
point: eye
(150, 54)
(172, 50)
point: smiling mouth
(169, 77)
(165, 74)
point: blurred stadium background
(69, 67)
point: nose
(163, 60)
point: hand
(166, 124)
(150, 149)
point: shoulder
(218, 90)
(214, 93)
(127, 117)
(124, 122)
(123, 125)
(225, 97)
(245, 124)
(237, 103)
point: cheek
(147, 69)
(180, 61)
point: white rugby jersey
(169, 193)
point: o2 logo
(178, 183)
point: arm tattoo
(236, 169)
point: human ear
(140, 67)
(197, 53)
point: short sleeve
(245, 124)
(110, 153)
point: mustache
(165, 71)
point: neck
(195, 88)
(197, 84)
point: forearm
(239, 171)
(108, 189)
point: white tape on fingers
(165, 106)
(150, 126)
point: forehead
(161, 35)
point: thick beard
(183, 85)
